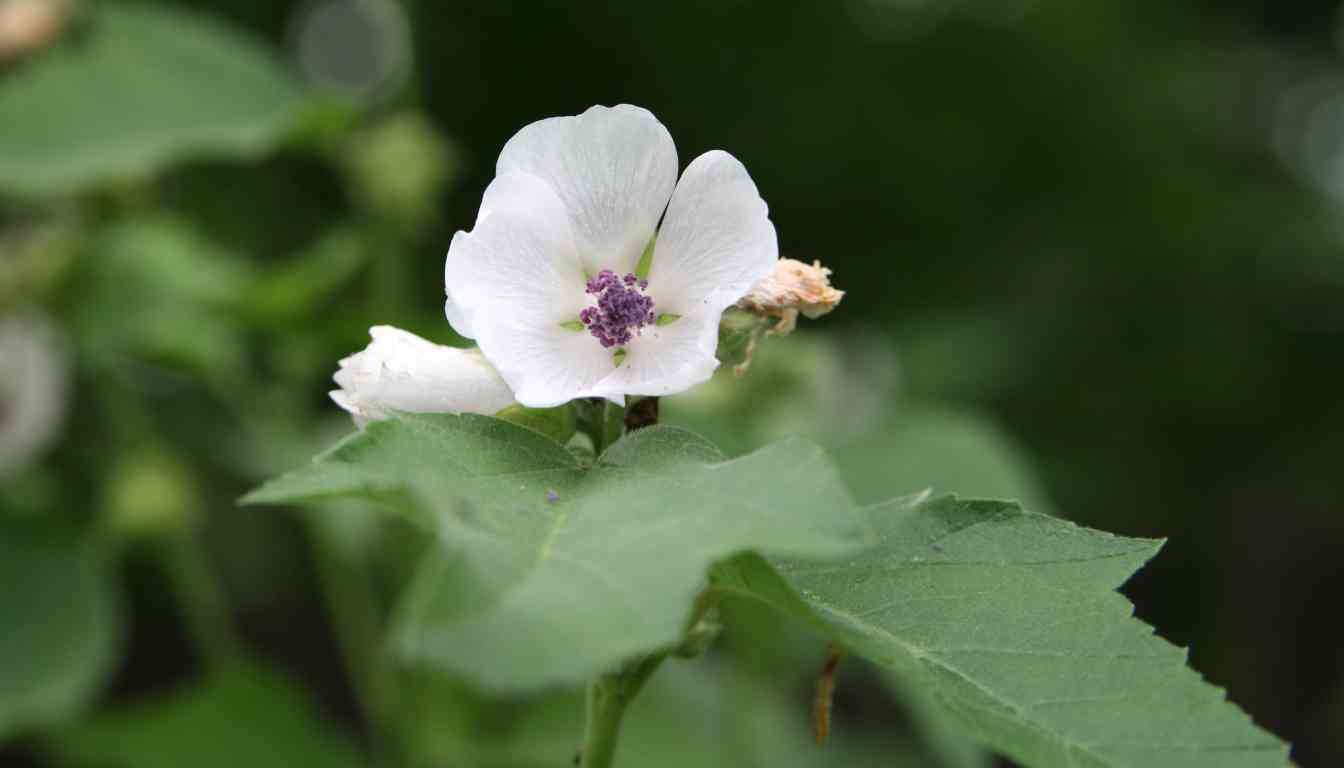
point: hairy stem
(356, 618)
(608, 697)
(611, 694)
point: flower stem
(204, 606)
(611, 694)
(355, 617)
(641, 413)
(608, 697)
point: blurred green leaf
(841, 392)
(549, 573)
(1011, 621)
(249, 717)
(59, 624)
(920, 448)
(155, 289)
(298, 286)
(132, 89)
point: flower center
(622, 308)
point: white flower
(33, 385)
(400, 371)
(546, 284)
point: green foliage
(526, 591)
(249, 716)
(837, 390)
(132, 88)
(1010, 621)
(157, 290)
(702, 714)
(921, 448)
(1007, 621)
(59, 624)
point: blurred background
(1094, 259)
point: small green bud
(557, 423)
(151, 494)
(399, 166)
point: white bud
(33, 384)
(792, 288)
(400, 371)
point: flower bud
(772, 307)
(792, 287)
(398, 168)
(151, 494)
(30, 25)
(400, 371)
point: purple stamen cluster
(622, 308)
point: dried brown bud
(793, 288)
(28, 25)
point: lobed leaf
(548, 573)
(1011, 621)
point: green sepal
(738, 332)
(645, 260)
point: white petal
(614, 169)
(666, 359)
(716, 241)
(520, 253)
(400, 371)
(545, 365)
(34, 383)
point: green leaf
(132, 90)
(59, 625)
(1012, 622)
(548, 573)
(248, 717)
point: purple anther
(622, 308)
